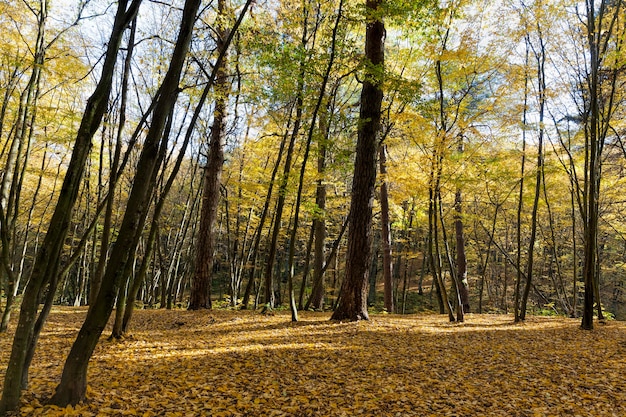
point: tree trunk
(319, 226)
(108, 214)
(200, 296)
(263, 219)
(386, 232)
(461, 260)
(46, 263)
(520, 202)
(72, 387)
(353, 294)
(540, 57)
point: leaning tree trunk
(353, 294)
(46, 262)
(108, 213)
(73, 385)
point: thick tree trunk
(353, 294)
(205, 247)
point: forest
(355, 157)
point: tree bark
(540, 57)
(319, 226)
(108, 214)
(72, 387)
(353, 294)
(47, 259)
(200, 296)
(461, 259)
(386, 232)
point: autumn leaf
(227, 363)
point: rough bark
(200, 296)
(352, 304)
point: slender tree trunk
(319, 225)
(307, 265)
(520, 202)
(386, 231)
(16, 163)
(263, 219)
(574, 312)
(434, 263)
(72, 387)
(108, 214)
(282, 193)
(540, 56)
(461, 260)
(353, 294)
(316, 301)
(455, 280)
(312, 126)
(280, 205)
(46, 263)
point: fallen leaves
(224, 363)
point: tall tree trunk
(282, 192)
(444, 238)
(540, 57)
(72, 387)
(108, 213)
(600, 25)
(520, 202)
(280, 205)
(16, 163)
(47, 259)
(200, 296)
(312, 127)
(461, 259)
(263, 219)
(353, 294)
(319, 225)
(386, 232)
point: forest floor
(227, 363)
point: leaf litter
(241, 363)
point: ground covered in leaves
(224, 363)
